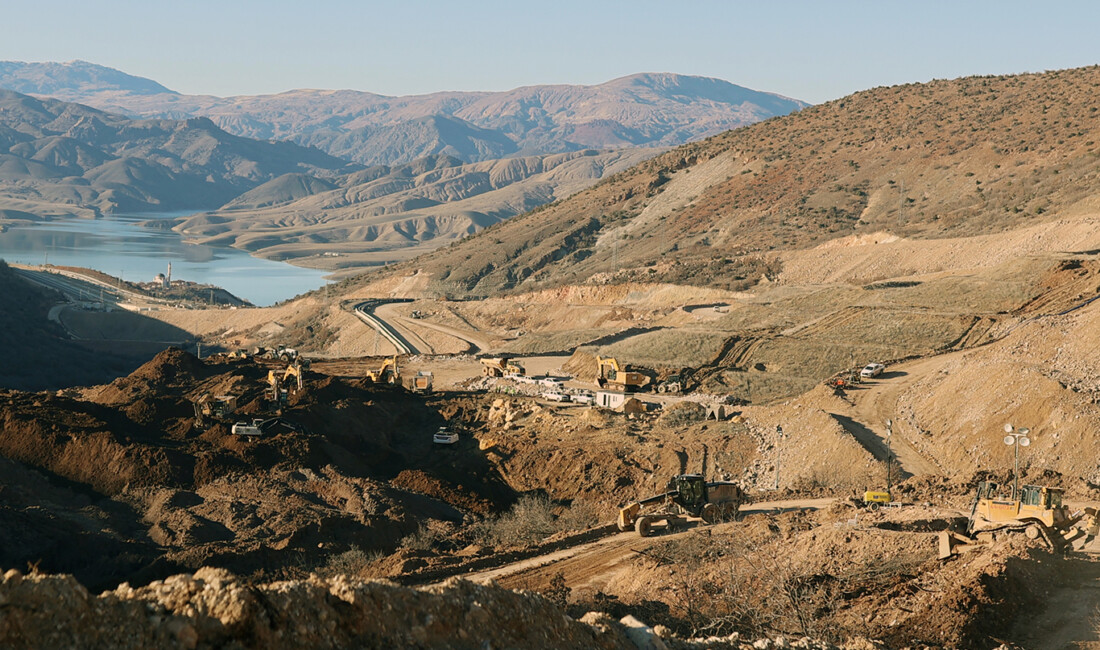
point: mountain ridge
(942, 159)
(641, 110)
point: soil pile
(134, 478)
(212, 608)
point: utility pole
(889, 454)
(778, 453)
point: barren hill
(389, 213)
(642, 110)
(957, 158)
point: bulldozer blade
(953, 543)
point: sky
(813, 51)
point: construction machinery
(502, 367)
(1036, 511)
(279, 385)
(687, 495)
(280, 352)
(611, 376)
(674, 384)
(387, 373)
(209, 407)
(421, 382)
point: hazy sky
(813, 50)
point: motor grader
(687, 495)
(1034, 510)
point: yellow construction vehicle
(611, 376)
(386, 374)
(421, 382)
(278, 383)
(502, 367)
(208, 407)
(687, 495)
(1037, 511)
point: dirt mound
(171, 368)
(418, 481)
(835, 574)
(212, 608)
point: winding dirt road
(876, 400)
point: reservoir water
(116, 245)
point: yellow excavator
(611, 376)
(386, 374)
(209, 407)
(278, 384)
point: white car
(872, 370)
(445, 436)
(554, 396)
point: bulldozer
(687, 495)
(611, 376)
(501, 367)
(1036, 511)
(387, 373)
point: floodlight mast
(1016, 438)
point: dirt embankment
(180, 495)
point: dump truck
(1034, 510)
(421, 382)
(502, 367)
(387, 373)
(687, 495)
(613, 377)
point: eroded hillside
(958, 158)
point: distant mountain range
(60, 158)
(335, 179)
(642, 110)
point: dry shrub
(424, 539)
(531, 520)
(725, 584)
(351, 562)
(682, 414)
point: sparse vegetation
(531, 520)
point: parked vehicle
(246, 429)
(554, 396)
(444, 436)
(872, 370)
